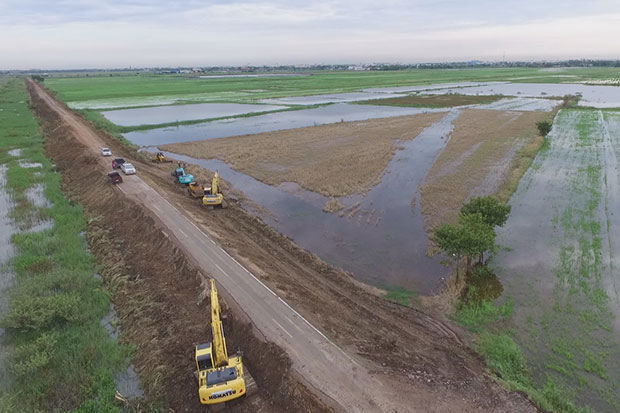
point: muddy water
(595, 96)
(36, 196)
(561, 265)
(179, 113)
(268, 123)
(7, 251)
(127, 381)
(380, 237)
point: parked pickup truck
(117, 162)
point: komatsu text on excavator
(220, 378)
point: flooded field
(160, 100)
(330, 98)
(523, 104)
(341, 112)
(437, 86)
(562, 258)
(595, 96)
(179, 113)
(378, 236)
(7, 276)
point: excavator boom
(220, 354)
(220, 378)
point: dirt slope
(409, 351)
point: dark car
(115, 178)
(117, 162)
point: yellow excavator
(195, 190)
(220, 378)
(213, 195)
(161, 158)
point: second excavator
(213, 195)
(220, 378)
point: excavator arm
(215, 184)
(220, 354)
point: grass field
(193, 89)
(60, 356)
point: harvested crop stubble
(487, 154)
(435, 101)
(334, 160)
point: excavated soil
(334, 160)
(405, 347)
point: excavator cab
(218, 385)
(213, 194)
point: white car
(106, 152)
(128, 168)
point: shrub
(544, 127)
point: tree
(448, 238)
(470, 238)
(544, 127)
(494, 212)
(477, 237)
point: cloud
(96, 33)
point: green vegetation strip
(495, 343)
(61, 356)
(195, 89)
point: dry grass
(435, 101)
(333, 205)
(487, 154)
(334, 160)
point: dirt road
(325, 366)
(407, 360)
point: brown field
(435, 101)
(334, 160)
(487, 154)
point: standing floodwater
(380, 237)
(7, 251)
(561, 265)
(340, 112)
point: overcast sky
(107, 34)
